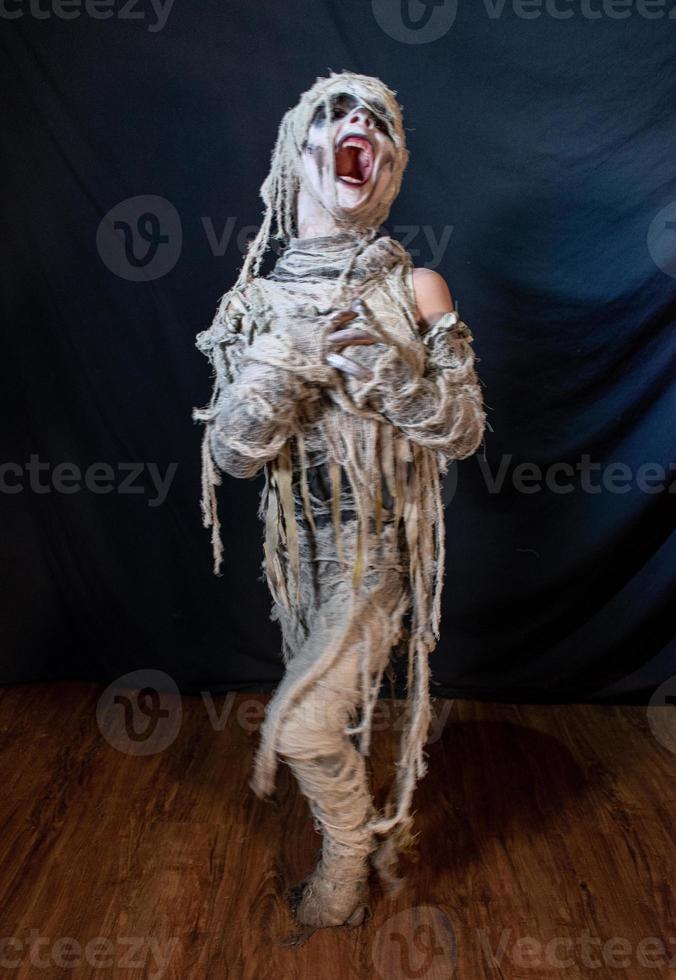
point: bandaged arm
(259, 409)
(440, 407)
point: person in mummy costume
(346, 376)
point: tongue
(351, 162)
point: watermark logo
(422, 21)
(140, 713)
(561, 478)
(41, 477)
(415, 21)
(590, 10)
(434, 245)
(587, 475)
(314, 718)
(140, 239)
(662, 239)
(569, 953)
(419, 942)
(155, 18)
(146, 955)
(662, 714)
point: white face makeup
(363, 151)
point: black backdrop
(541, 184)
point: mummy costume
(352, 504)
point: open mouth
(354, 160)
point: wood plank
(546, 847)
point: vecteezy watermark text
(421, 942)
(141, 713)
(564, 952)
(562, 477)
(144, 953)
(156, 16)
(65, 477)
(589, 476)
(424, 21)
(140, 239)
(587, 9)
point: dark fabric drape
(541, 185)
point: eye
(318, 116)
(341, 105)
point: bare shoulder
(432, 296)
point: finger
(350, 335)
(342, 316)
(348, 366)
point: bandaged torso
(381, 280)
(336, 448)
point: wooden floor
(546, 850)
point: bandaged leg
(324, 701)
(331, 774)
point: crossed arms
(440, 407)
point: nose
(362, 115)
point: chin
(350, 200)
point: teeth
(360, 142)
(363, 145)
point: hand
(344, 336)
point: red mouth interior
(354, 163)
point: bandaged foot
(336, 892)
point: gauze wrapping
(377, 448)
(279, 191)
